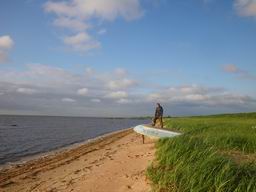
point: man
(158, 115)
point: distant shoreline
(138, 117)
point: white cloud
(89, 71)
(87, 9)
(230, 68)
(124, 101)
(102, 31)
(78, 15)
(119, 80)
(197, 95)
(120, 72)
(27, 91)
(121, 83)
(82, 42)
(60, 8)
(42, 87)
(117, 95)
(42, 76)
(73, 24)
(95, 100)
(6, 43)
(59, 79)
(82, 92)
(68, 100)
(60, 83)
(246, 8)
(241, 73)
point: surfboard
(154, 132)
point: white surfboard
(154, 132)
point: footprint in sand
(77, 171)
(52, 190)
(130, 156)
(88, 167)
(102, 158)
(110, 157)
(111, 152)
(96, 161)
(129, 187)
(70, 182)
(7, 184)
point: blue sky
(92, 58)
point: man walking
(158, 115)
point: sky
(110, 58)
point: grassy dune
(215, 153)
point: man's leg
(154, 121)
(161, 121)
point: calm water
(22, 136)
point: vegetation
(215, 153)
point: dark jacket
(159, 111)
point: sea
(24, 136)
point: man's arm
(162, 111)
(156, 112)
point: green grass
(215, 153)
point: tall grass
(195, 161)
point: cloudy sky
(119, 57)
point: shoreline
(56, 152)
(85, 159)
(53, 152)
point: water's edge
(59, 150)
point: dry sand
(116, 162)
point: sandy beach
(116, 162)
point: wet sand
(116, 162)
